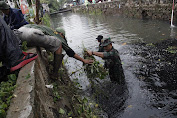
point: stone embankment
(135, 10)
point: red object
(24, 9)
(25, 60)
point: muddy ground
(158, 70)
(160, 60)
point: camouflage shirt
(101, 48)
(48, 31)
(113, 63)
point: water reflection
(141, 99)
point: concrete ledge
(31, 98)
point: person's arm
(99, 54)
(86, 61)
(71, 53)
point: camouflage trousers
(117, 75)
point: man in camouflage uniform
(99, 39)
(52, 40)
(112, 61)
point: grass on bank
(6, 94)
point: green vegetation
(56, 93)
(84, 108)
(55, 5)
(150, 44)
(24, 46)
(28, 76)
(46, 20)
(6, 94)
(95, 70)
(78, 106)
(69, 103)
(172, 49)
(97, 12)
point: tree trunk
(158, 1)
(37, 11)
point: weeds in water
(65, 93)
(76, 83)
(150, 44)
(95, 70)
(85, 108)
(78, 106)
(172, 49)
(56, 94)
(61, 111)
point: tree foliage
(54, 5)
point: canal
(143, 96)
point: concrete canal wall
(31, 98)
(135, 10)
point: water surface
(139, 101)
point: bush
(6, 94)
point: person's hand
(88, 61)
(89, 53)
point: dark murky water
(141, 99)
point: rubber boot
(56, 65)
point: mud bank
(158, 70)
(160, 60)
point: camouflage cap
(3, 5)
(106, 42)
(60, 30)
